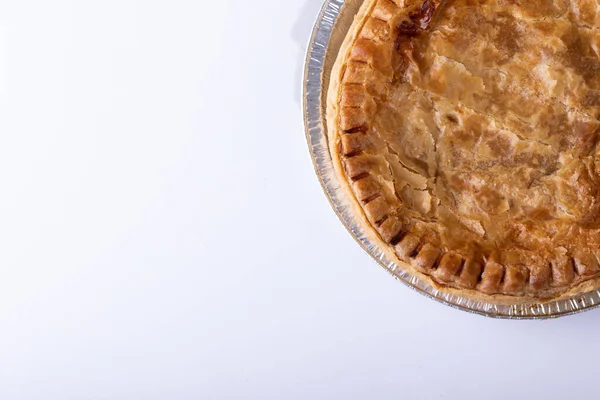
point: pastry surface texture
(466, 135)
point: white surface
(163, 235)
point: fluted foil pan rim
(334, 16)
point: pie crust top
(466, 135)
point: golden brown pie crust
(466, 134)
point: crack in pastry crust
(467, 132)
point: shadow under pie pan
(332, 25)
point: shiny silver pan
(331, 26)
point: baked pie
(465, 133)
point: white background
(163, 235)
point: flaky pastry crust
(466, 135)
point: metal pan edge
(333, 20)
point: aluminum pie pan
(329, 31)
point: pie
(465, 134)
